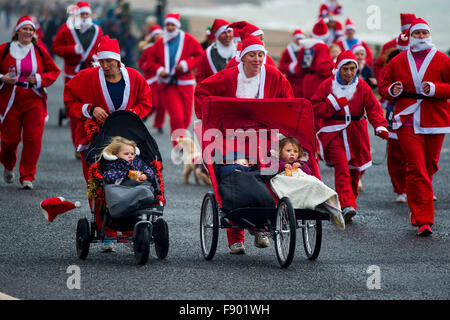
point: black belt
(25, 85)
(414, 96)
(344, 118)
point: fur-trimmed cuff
(292, 66)
(158, 72)
(381, 128)
(390, 92)
(85, 110)
(432, 89)
(184, 65)
(38, 80)
(333, 102)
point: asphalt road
(36, 256)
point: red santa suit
(232, 82)
(345, 45)
(329, 8)
(157, 105)
(420, 119)
(178, 88)
(212, 59)
(23, 106)
(288, 61)
(343, 136)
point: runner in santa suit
(335, 30)
(218, 54)
(245, 28)
(155, 33)
(173, 60)
(76, 42)
(388, 47)
(419, 80)
(250, 79)
(288, 61)
(329, 7)
(341, 103)
(349, 41)
(25, 70)
(96, 92)
(314, 60)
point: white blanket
(306, 192)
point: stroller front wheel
(141, 242)
(312, 238)
(285, 232)
(83, 238)
(161, 237)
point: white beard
(83, 24)
(170, 35)
(295, 47)
(417, 44)
(226, 52)
(346, 91)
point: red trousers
(396, 165)
(345, 180)
(157, 107)
(422, 153)
(178, 101)
(24, 122)
(73, 124)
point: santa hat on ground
(53, 207)
(245, 27)
(343, 58)
(298, 34)
(154, 29)
(349, 25)
(84, 7)
(219, 26)
(251, 43)
(173, 18)
(418, 24)
(108, 49)
(320, 30)
(25, 20)
(358, 47)
(406, 19)
(403, 41)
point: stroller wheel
(161, 237)
(61, 116)
(209, 226)
(285, 232)
(312, 237)
(83, 238)
(141, 242)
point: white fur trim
(292, 66)
(174, 21)
(345, 61)
(38, 80)
(432, 89)
(333, 101)
(346, 91)
(85, 112)
(155, 32)
(137, 151)
(253, 47)
(405, 27)
(78, 49)
(419, 26)
(321, 37)
(109, 156)
(85, 10)
(257, 33)
(221, 30)
(20, 25)
(381, 128)
(108, 55)
(390, 92)
(184, 65)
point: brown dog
(190, 155)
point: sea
(377, 21)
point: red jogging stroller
(291, 117)
(147, 223)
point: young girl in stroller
(294, 180)
(123, 166)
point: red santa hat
(345, 57)
(320, 30)
(251, 43)
(406, 19)
(349, 25)
(403, 41)
(25, 20)
(154, 29)
(419, 24)
(108, 49)
(173, 18)
(84, 7)
(53, 207)
(209, 35)
(219, 26)
(358, 47)
(298, 34)
(245, 27)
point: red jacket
(224, 84)
(44, 68)
(354, 133)
(287, 64)
(88, 88)
(188, 55)
(381, 60)
(431, 115)
(64, 46)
